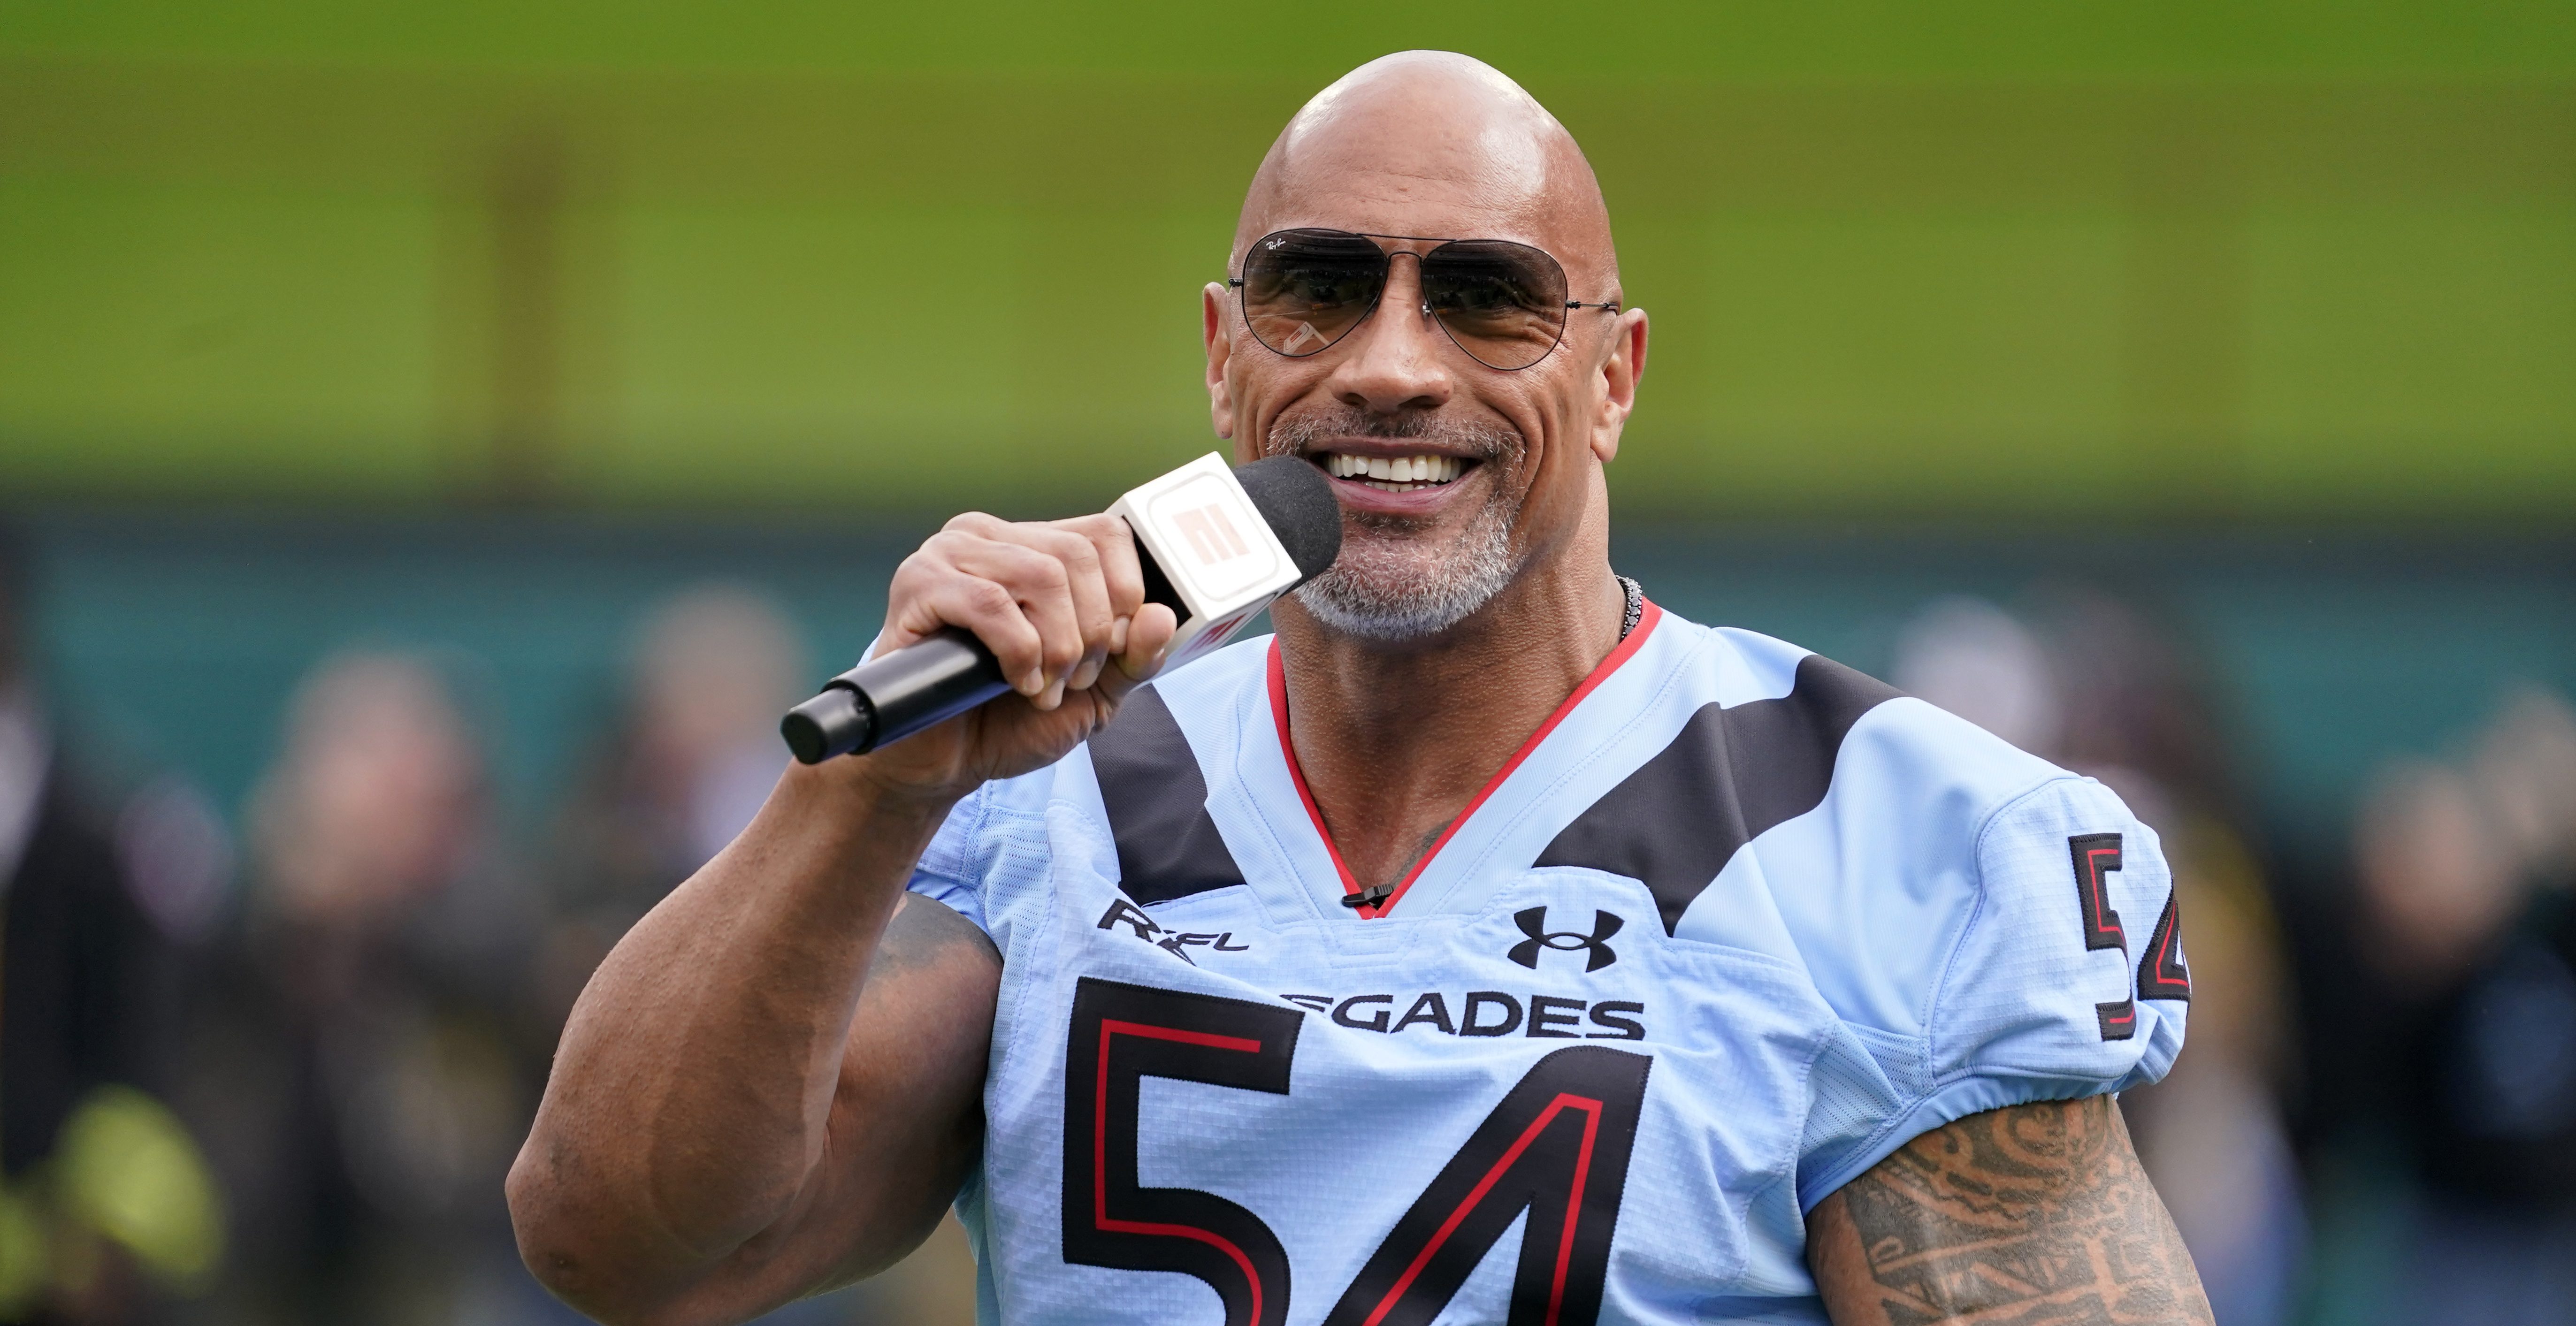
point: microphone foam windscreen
(1297, 501)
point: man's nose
(1396, 360)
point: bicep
(907, 1117)
(2035, 1213)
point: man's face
(1453, 476)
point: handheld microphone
(1216, 546)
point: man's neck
(1394, 741)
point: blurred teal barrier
(179, 639)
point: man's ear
(1220, 351)
(1621, 370)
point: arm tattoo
(924, 932)
(2031, 1215)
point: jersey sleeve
(951, 869)
(2037, 996)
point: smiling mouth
(1395, 474)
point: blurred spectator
(694, 755)
(1983, 664)
(2108, 691)
(356, 1062)
(2467, 924)
(101, 1190)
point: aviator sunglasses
(1503, 303)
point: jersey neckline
(1278, 687)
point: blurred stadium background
(440, 437)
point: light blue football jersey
(1730, 928)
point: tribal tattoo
(2032, 1215)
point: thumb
(1149, 634)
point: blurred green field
(2066, 264)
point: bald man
(1488, 946)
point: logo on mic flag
(1223, 559)
(1211, 534)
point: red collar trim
(1288, 751)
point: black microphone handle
(894, 695)
(929, 681)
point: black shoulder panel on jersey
(1157, 802)
(1730, 775)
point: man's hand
(2031, 1214)
(1061, 604)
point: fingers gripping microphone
(1217, 545)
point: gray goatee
(1396, 581)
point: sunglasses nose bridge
(1421, 293)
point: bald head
(1435, 144)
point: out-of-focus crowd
(279, 1079)
(277, 1076)
(2373, 1119)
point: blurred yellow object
(128, 1169)
(22, 1254)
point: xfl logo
(1533, 923)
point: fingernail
(1033, 683)
(1118, 636)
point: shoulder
(1855, 830)
(1795, 725)
(1987, 928)
(1870, 741)
(1751, 763)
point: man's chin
(1399, 590)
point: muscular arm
(772, 1086)
(773, 1083)
(2033, 1214)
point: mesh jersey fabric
(1755, 920)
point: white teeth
(1394, 473)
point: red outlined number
(2096, 856)
(2161, 971)
(1557, 1147)
(1121, 1035)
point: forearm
(2032, 1214)
(691, 1097)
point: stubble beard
(1395, 582)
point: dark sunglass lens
(1305, 289)
(1502, 302)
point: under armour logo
(1533, 923)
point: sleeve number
(1557, 1146)
(2096, 856)
(2161, 974)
